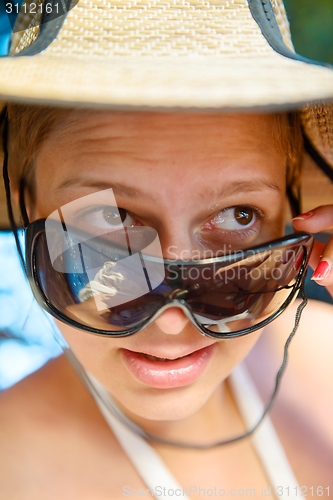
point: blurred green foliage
(311, 23)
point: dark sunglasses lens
(239, 296)
(95, 284)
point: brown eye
(114, 216)
(236, 218)
(107, 217)
(243, 215)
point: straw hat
(167, 54)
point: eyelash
(258, 213)
(96, 209)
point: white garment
(153, 471)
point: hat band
(50, 24)
(263, 13)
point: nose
(172, 321)
(178, 241)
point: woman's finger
(317, 252)
(319, 219)
(323, 273)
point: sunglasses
(117, 283)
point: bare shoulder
(42, 394)
(304, 410)
(33, 408)
(28, 412)
(50, 431)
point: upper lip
(164, 354)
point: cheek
(274, 226)
(94, 352)
(41, 208)
(231, 352)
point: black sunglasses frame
(35, 229)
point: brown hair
(30, 125)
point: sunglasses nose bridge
(174, 303)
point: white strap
(265, 439)
(154, 472)
(145, 459)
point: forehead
(154, 134)
(166, 151)
(80, 122)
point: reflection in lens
(252, 291)
(104, 296)
(224, 295)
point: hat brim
(209, 83)
(191, 57)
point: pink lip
(168, 374)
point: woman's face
(204, 182)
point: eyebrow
(248, 186)
(120, 189)
(256, 185)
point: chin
(168, 405)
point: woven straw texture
(157, 53)
(153, 28)
(176, 54)
(318, 124)
(157, 28)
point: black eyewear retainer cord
(116, 412)
(6, 180)
(78, 366)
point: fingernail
(304, 216)
(322, 270)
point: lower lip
(168, 374)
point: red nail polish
(304, 216)
(322, 271)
